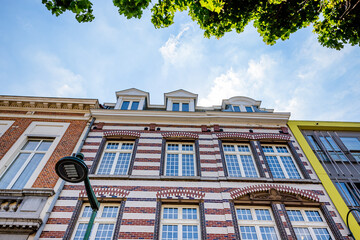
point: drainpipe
(62, 184)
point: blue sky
(44, 55)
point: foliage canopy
(336, 22)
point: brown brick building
(34, 133)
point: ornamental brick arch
(180, 193)
(121, 134)
(273, 192)
(180, 135)
(106, 193)
(254, 136)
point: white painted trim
(4, 126)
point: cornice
(46, 103)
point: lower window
(256, 223)
(309, 224)
(180, 222)
(104, 223)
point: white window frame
(238, 154)
(180, 106)
(255, 222)
(308, 224)
(180, 152)
(117, 153)
(129, 99)
(98, 219)
(56, 131)
(180, 222)
(278, 155)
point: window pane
(313, 216)
(104, 232)
(173, 147)
(169, 232)
(268, 233)
(267, 149)
(188, 168)
(135, 106)
(302, 233)
(275, 167)
(248, 109)
(112, 146)
(244, 214)
(313, 143)
(29, 169)
(263, 214)
(290, 167)
(170, 213)
(106, 163)
(187, 147)
(110, 212)
(322, 234)
(87, 212)
(172, 165)
(243, 148)
(295, 215)
(248, 233)
(175, 107)
(356, 156)
(189, 213)
(281, 150)
(190, 232)
(236, 109)
(31, 145)
(229, 148)
(248, 166)
(185, 107)
(349, 198)
(329, 144)
(351, 143)
(80, 231)
(44, 146)
(125, 105)
(122, 164)
(13, 169)
(232, 166)
(127, 146)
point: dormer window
(236, 108)
(249, 109)
(130, 105)
(182, 107)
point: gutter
(62, 184)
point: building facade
(34, 133)
(333, 149)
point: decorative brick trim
(330, 221)
(278, 221)
(98, 156)
(132, 160)
(73, 220)
(264, 159)
(157, 220)
(197, 158)
(107, 193)
(226, 174)
(257, 159)
(288, 222)
(180, 135)
(180, 193)
(254, 136)
(118, 221)
(234, 220)
(121, 133)
(266, 187)
(202, 220)
(303, 170)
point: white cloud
(60, 81)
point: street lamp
(73, 169)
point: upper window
(180, 159)
(316, 148)
(116, 158)
(104, 224)
(353, 145)
(309, 224)
(280, 161)
(249, 109)
(183, 107)
(130, 105)
(239, 160)
(256, 223)
(180, 223)
(333, 149)
(348, 193)
(28, 158)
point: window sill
(290, 180)
(42, 192)
(246, 179)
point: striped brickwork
(145, 190)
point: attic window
(183, 107)
(130, 105)
(249, 109)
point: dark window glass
(248, 109)
(125, 105)
(351, 143)
(175, 107)
(185, 107)
(236, 109)
(134, 106)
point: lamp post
(73, 169)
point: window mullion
(112, 171)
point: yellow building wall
(296, 127)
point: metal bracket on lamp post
(73, 169)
